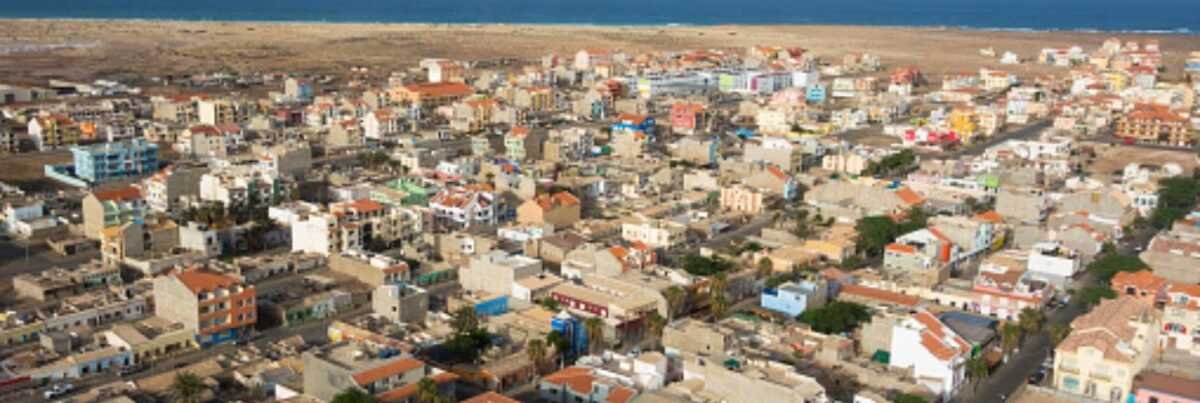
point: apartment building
(1106, 349)
(218, 307)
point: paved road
(756, 224)
(1014, 373)
(1004, 382)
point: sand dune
(141, 48)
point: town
(751, 225)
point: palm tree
(465, 320)
(977, 370)
(353, 395)
(675, 296)
(560, 344)
(1058, 333)
(718, 303)
(719, 306)
(187, 388)
(765, 268)
(1031, 320)
(536, 349)
(1010, 335)
(427, 391)
(656, 323)
(595, 332)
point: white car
(58, 390)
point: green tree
(353, 395)
(1010, 336)
(718, 302)
(836, 317)
(187, 388)
(1058, 333)
(977, 370)
(1092, 295)
(874, 233)
(1108, 266)
(1176, 197)
(698, 265)
(907, 398)
(1031, 320)
(676, 296)
(464, 320)
(559, 342)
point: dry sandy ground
(88, 49)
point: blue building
(492, 307)
(572, 329)
(792, 299)
(99, 163)
(635, 123)
(815, 93)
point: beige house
(561, 210)
(107, 208)
(1106, 349)
(151, 339)
(742, 199)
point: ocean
(1182, 16)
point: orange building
(1155, 124)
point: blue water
(1104, 15)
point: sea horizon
(1167, 17)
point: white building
(655, 233)
(935, 354)
(1053, 262)
(463, 206)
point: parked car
(1037, 377)
(58, 390)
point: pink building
(687, 117)
(1155, 387)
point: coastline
(1184, 31)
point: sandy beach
(33, 50)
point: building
(1106, 349)
(106, 162)
(1175, 256)
(1154, 387)
(560, 210)
(792, 299)
(400, 303)
(430, 95)
(171, 187)
(218, 307)
(582, 384)
(1181, 317)
(1153, 124)
(112, 207)
(389, 375)
(58, 283)
(53, 131)
(495, 272)
(655, 233)
(1054, 263)
(461, 207)
(151, 339)
(688, 118)
(371, 269)
(935, 353)
(742, 199)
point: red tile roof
(120, 194)
(880, 295)
(909, 197)
(491, 397)
(203, 280)
(385, 371)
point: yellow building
(151, 339)
(16, 331)
(962, 121)
(1107, 348)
